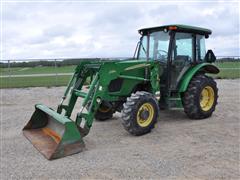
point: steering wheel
(160, 56)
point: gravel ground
(177, 148)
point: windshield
(158, 46)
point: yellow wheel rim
(145, 120)
(207, 98)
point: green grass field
(46, 81)
(36, 70)
(228, 64)
(228, 70)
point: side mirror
(210, 57)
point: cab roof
(177, 27)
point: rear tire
(140, 113)
(200, 99)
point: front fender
(203, 67)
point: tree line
(66, 62)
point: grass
(228, 70)
(228, 64)
(227, 74)
(232, 71)
(46, 81)
(36, 70)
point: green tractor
(169, 70)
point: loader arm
(75, 90)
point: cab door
(181, 58)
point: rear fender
(202, 68)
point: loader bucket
(53, 134)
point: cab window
(183, 48)
(200, 48)
(158, 46)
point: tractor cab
(176, 48)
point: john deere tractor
(169, 70)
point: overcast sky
(60, 29)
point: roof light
(172, 28)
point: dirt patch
(177, 148)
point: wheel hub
(144, 114)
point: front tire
(140, 113)
(200, 99)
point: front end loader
(169, 70)
(55, 135)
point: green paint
(191, 72)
